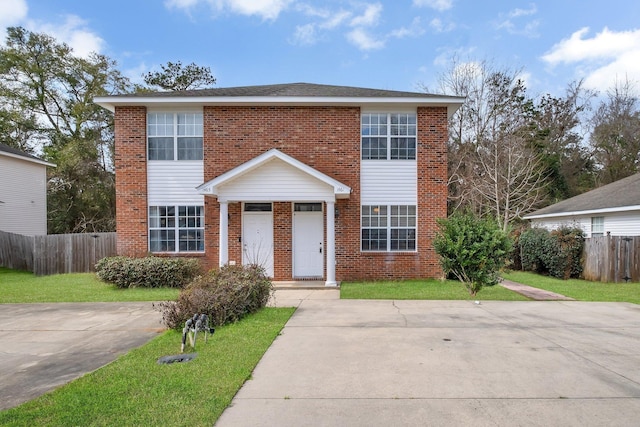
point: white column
(223, 252)
(331, 244)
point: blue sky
(385, 44)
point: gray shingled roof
(622, 193)
(291, 90)
(11, 150)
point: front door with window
(308, 238)
(257, 236)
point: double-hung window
(176, 229)
(388, 228)
(174, 136)
(597, 226)
(388, 136)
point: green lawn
(423, 290)
(137, 391)
(580, 290)
(25, 287)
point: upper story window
(597, 226)
(388, 136)
(174, 136)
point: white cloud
(74, 32)
(336, 19)
(266, 9)
(440, 5)
(305, 35)
(600, 60)
(440, 27)
(414, 30)
(180, 4)
(512, 22)
(363, 40)
(13, 13)
(369, 18)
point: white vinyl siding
(23, 197)
(388, 182)
(276, 181)
(174, 183)
(617, 224)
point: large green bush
(472, 249)
(148, 272)
(225, 295)
(557, 253)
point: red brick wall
(131, 180)
(325, 138)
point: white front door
(257, 240)
(308, 246)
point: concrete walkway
(446, 363)
(535, 294)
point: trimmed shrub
(557, 253)
(472, 249)
(571, 246)
(533, 246)
(225, 295)
(148, 272)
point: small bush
(472, 249)
(149, 272)
(557, 253)
(225, 295)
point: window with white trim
(388, 136)
(597, 226)
(174, 136)
(388, 228)
(176, 228)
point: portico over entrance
(270, 178)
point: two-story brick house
(311, 181)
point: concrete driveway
(43, 346)
(446, 363)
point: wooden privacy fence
(55, 253)
(612, 259)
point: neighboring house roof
(7, 151)
(622, 195)
(282, 94)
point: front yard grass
(580, 290)
(25, 287)
(136, 390)
(423, 290)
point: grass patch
(136, 390)
(423, 290)
(25, 287)
(580, 290)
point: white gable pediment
(274, 176)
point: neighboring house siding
(617, 224)
(174, 182)
(389, 182)
(555, 223)
(622, 224)
(23, 196)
